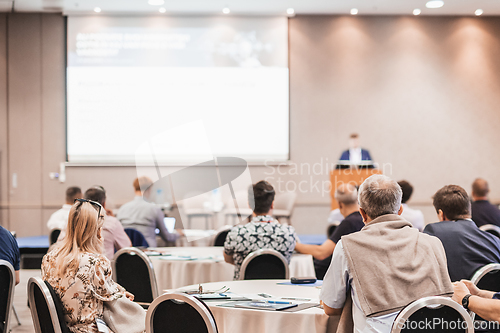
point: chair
(7, 284)
(179, 313)
(46, 307)
(283, 205)
(492, 229)
(133, 270)
(136, 237)
(243, 210)
(54, 235)
(331, 229)
(452, 317)
(220, 236)
(264, 264)
(487, 278)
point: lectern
(352, 175)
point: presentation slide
(177, 90)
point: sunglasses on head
(93, 203)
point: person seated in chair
(385, 266)
(483, 303)
(414, 216)
(347, 198)
(59, 219)
(467, 247)
(483, 212)
(9, 251)
(262, 232)
(114, 236)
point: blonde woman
(78, 271)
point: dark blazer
(483, 212)
(365, 155)
(467, 247)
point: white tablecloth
(196, 237)
(234, 320)
(175, 272)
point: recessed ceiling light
(434, 4)
(478, 12)
(162, 10)
(97, 9)
(290, 11)
(156, 2)
(226, 10)
(417, 11)
(354, 11)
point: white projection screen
(182, 89)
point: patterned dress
(263, 232)
(83, 292)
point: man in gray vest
(386, 265)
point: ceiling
(251, 7)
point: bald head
(346, 194)
(480, 189)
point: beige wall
(421, 91)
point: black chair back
(42, 301)
(486, 278)
(179, 313)
(492, 229)
(136, 237)
(220, 237)
(54, 235)
(133, 270)
(7, 283)
(433, 314)
(264, 264)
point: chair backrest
(487, 278)
(136, 237)
(285, 201)
(220, 236)
(331, 229)
(179, 313)
(7, 284)
(264, 264)
(54, 235)
(433, 314)
(133, 270)
(492, 229)
(47, 317)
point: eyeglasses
(94, 203)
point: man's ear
(272, 205)
(441, 216)
(340, 205)
(400, 210)
(363, 214)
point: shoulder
(111, 222)
(7, 238)
(95, 259)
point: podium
(353, 175)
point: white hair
(379, 195)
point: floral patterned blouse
(83, 292)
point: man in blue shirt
(9, 250)
(467, 247)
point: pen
(277, 302)
(296, 299)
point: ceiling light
(97, 9)
(290, 11)
(434, 4)
(354, 11)
(226, 10)
(156, 2)
(478, 12)
(417, 11)
(162, 10)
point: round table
(237, 320)
(191, 265)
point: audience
(143, 216)
(414, 216)
(9, 250)
(59, 219)
(113, 234)
(262, 232)
(467, 247)
(483, 303)
(385, 266)
(347, 198)
(78, 271)
(483, 212)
